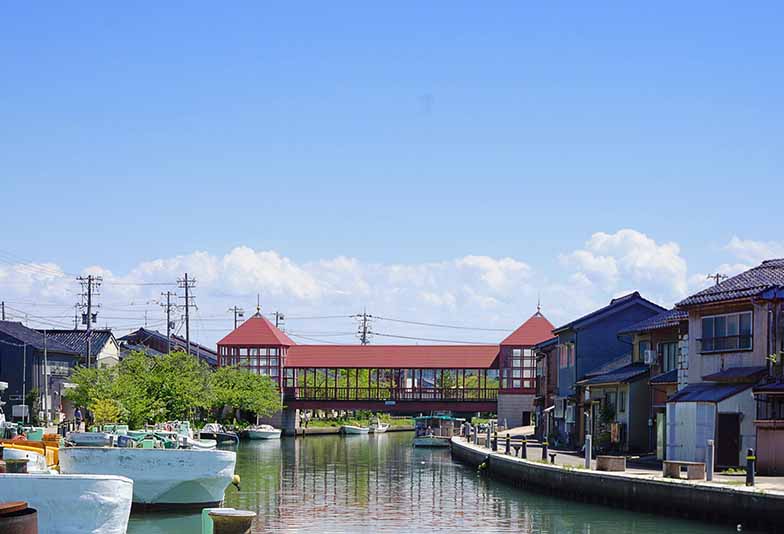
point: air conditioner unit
(650, 357)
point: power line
(433, 340)
(239, 313)
(437, 325)
(90, 284)
(316, 339)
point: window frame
(714, 337)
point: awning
(708, 392)
(737, 374)
(628, 373)
(550, 409)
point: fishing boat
(182, 478)
(218, 433)
(378, 427)
(72, 504)
(263, 432)
(435, 430)
(351, 430)
(91, 439)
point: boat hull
(378, 429)
(72, 504)
(161, 477)
(431, 441)
(263, 434)
(220, 437)
(355, 430)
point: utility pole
(47, 408)
(169, 322)
(718, 277)
(187, 283)
(90, 285)
(239, 313)
(2, 305)
(279, 318)
(364, 332)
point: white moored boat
(72, 504)
(263, 432)
(353, 430)
(161, 477)
(377, 427)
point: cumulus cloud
(754, 252)
(628, 259)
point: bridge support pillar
(287, 420)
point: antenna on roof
(258, 303)
(539, 302)
(718, 277)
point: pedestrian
(78, 418)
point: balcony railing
(389, 394)
(725, 343)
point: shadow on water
(368, 484)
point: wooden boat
(188, 478)
(263, 432)
(351, 430)
(72, 504)
(219, 434)
(377, 427)
(435, 430)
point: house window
(621, 401)
(642, 347)
(726, 332)
(563, 357)
(669, 352)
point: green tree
(243, 390)
(106, 411)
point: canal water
(381, 484)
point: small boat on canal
(179, 478)
(353, 430)
(263, 432)
(435, 430)
(378, 427)
(72, 504)
(219, 434)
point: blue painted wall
(598, 344)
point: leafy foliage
(241, 389)
(146, 389)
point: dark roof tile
(33, 338)
(665, 319)
(769, 273)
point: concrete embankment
(750, 507)
(327, 430)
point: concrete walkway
(571, 459)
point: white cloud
(754, 252)
(630, 259)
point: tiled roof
(141, 340)
(547, 344)
(535, 330)
(623, 374)
(737, 374)
(611, 307)
(33, 338)
(393, 356)
(612, 365)
(772, 387)
(665, 319)
(670, 377)
(256, 331)
(707, 392)
(749, 283)
(77, 339)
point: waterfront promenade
(725, 499)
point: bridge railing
(396, 394)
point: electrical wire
(431, 339)
(436, 325)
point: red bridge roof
(256, 331)
(393, 356)
(535, 330)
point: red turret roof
(256, 331)
(533, 331)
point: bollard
(17, 517)
(524, 450)
(544, 450)
(588, 447)
(476, 435)
(751, 462)
(508, 444)
(709, 461)
(487, 440)
(225, 521)
(495, 442)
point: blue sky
(399, 134)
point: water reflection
(367, 484)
